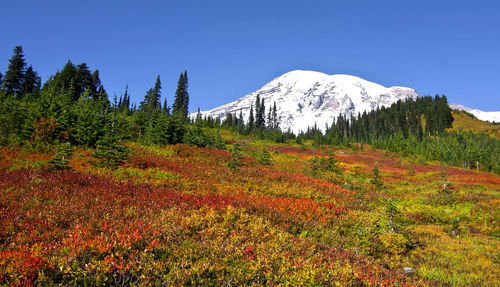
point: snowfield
(306, 98)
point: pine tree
(260, 113)
(63, 154)
(332, 163)
(161, 134)
(315, 166)
(109, 149)
(257, 111)
(235, 162)
(196, 136)
(31, 84)
(264, 157)
(154, 101)
(219, 141)
(181, 101)
(145, 105)
(176, 129)
(376, 181)
(148, 137)
(15, 75)
(275, 119)
(88, 121)
(241, 122)
(83, 79)
(251, 120)
(124, 103)
(269, 119)
(260, 121)
(98, 91)
(75, 80)
(420, 131)
(185, 98)
(56, 104)
(69, 80)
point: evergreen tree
(31, 84)
(56, 104)
(251, 119)
(228, 121)
(196, 136)
(257, 110)
(16, 120)
(155, 97)
(149, 137)
(63, 154)
(185, 98)
(75, 80)
(198, 120)
(88, 121)
(146, 104)
(109, 149)
(269, 119)
(332, 163)
(15, 75)
(161, 130)
(241, 122)
(260, 115)
(420, 131)
(69, 80)
(376, 181)
(275, 119)
(264, 157)
(236, 157)
(181, 100)
(176, 130)
(124, 103)
(219, 141)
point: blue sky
(231, 48)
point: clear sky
(231, 48)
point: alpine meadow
(273, 151)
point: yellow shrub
(393, 243)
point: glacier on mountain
(308, 98)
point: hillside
(101, 192)
(464, 121)
(178, 215)
(492, 117)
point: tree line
(259, 124)
(73, 107)
(413, 126)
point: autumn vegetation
(180, 215)
(105, 194)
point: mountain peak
(305, 98)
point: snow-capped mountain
(304, 98)
(482, 115)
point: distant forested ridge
(414, 127)
(73, 107)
